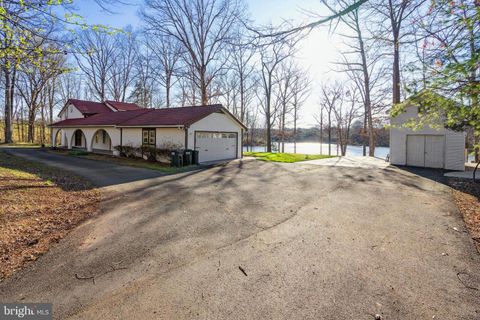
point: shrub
(127, 151)
(149, 153)
(161, 154)
(78, 153)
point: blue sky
(315, 54)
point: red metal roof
(172, 116)
(89, 107)
(183, 116)
(123, 106)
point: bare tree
(95, 56)
(300, 92)
(345, 113)
(32, 83)
(243, 68)
(167, 52)
(69, 85)
(285, 96)
(202, 27)
(123, 64)
(393, 16)
(271, 57)
(359, 62)
(142, 93)
(332, 98)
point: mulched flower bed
(467, 198)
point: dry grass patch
(39, 206)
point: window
(216, 135)
(104, 136)
(149, 137)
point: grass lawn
(39, 205)
(20, 145)
(137, 162)
(284, 157)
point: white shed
(426, 147)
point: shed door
(416, 150)
(214, 146)
(434, 151)
(425, 151)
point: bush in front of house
(161, 154)
(127, 151)
(78, 153)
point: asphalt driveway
(256, 240)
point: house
(100, 127)
(430, 146)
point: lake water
(314, 148)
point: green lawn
(284, 157)
(21, 145)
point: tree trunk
(31, 126)
(295, 129)
(396, 67)
(321, 131)
(368, 102)
(269, 133)
(9, 86)
(329, 134)
(203, 88)
(167, 90)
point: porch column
(69, 136)
(53, 133)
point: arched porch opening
(60, 139)
(101, 142)
(78, 140)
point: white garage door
(425, 151)
(214, 146)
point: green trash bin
(187, 157)
(177, 159)
(195, 157)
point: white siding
(70, 112)
(133, 136)
(454, 141)
(455, 151)
(217, 122)
(169, 136)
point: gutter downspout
(186, 137)
(121, 140)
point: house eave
(81, 126)
(153, 126)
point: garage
(429, 146)
(425, 150)
(213, 146)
